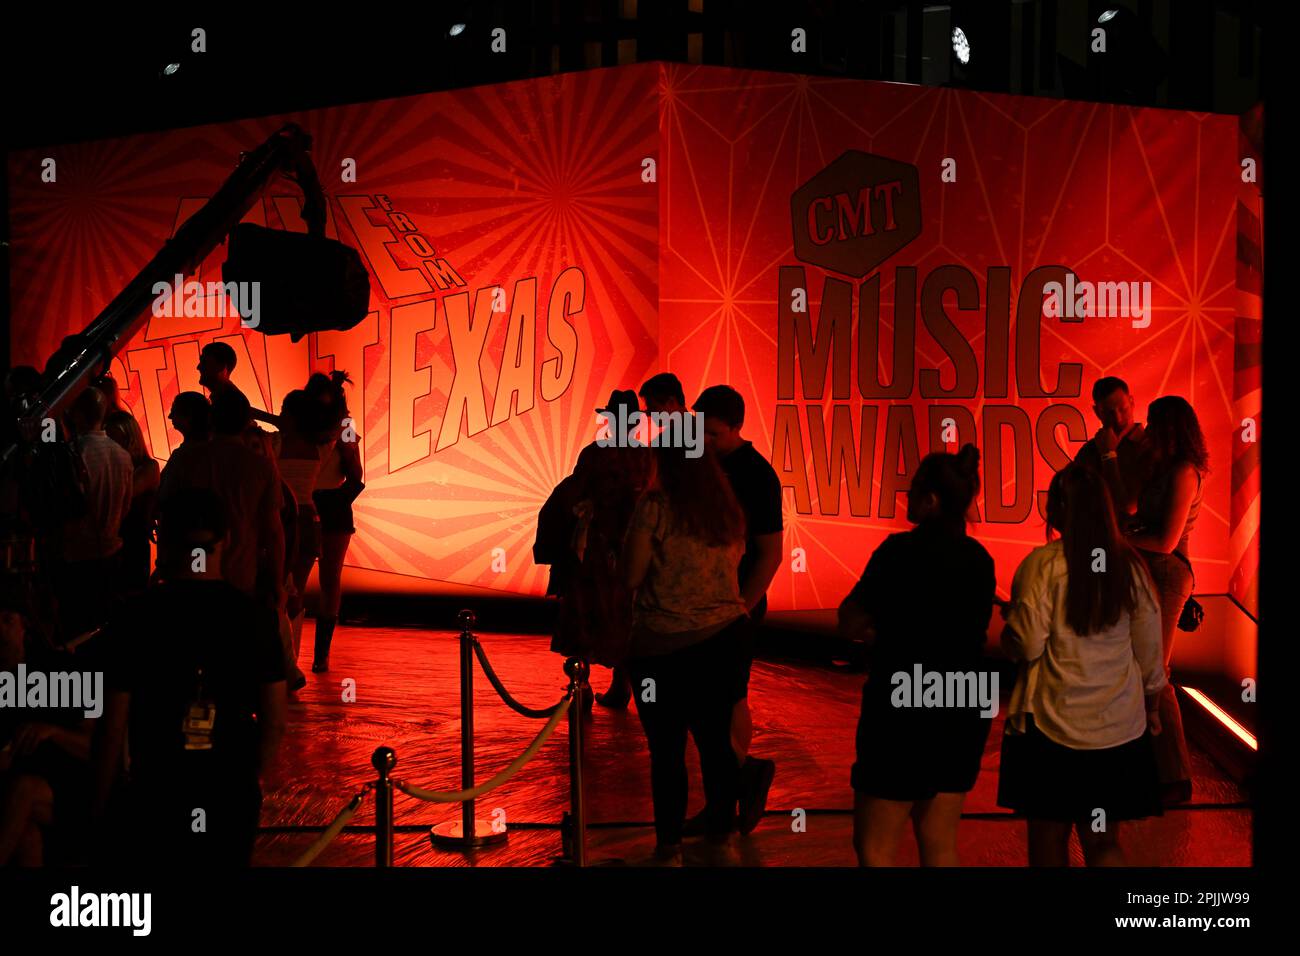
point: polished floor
(407, 698)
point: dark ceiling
(84, 76)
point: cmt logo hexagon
(856, 213)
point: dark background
(73, 76)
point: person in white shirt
(92, 542)
(1084, 621)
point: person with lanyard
(195, 678)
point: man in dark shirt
(758, 489)
(250, 488)
(217, 362)
(1115, 451)
(195, 672)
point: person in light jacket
(1084, 621)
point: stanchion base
(452, 835)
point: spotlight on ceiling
(170, 68)
(960, 45)
(456, 29)
(1108, 16)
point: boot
(755, 781)
(619, 693)
(324, 634)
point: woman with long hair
(1084, 622)
(1176, 462)
(681, 556)
(925, 599)
(137, 525)
(300, 446)
(337, 486)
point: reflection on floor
(407, 698)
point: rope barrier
(333, 830)
(459, 796)
(518, 708)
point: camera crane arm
(87, 354)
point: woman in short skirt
(924, 600)
(338, 484)
(1084, 621)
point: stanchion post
(578, 671)
(467, 621)
(384, 760)
(469, 833)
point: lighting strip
(1223, 717)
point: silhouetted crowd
(662, 560)
(661, 555)
(184, 588)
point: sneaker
(619, 694)
(755, 781)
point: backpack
(555, 524)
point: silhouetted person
(663, 393)
(216, 363)
(195, 676)
(117, 411)
(1076, 739)
(248, 485)
(338, 484)
(137, 526)
(92, 544)
(689, 639)
(44, 759)
(754, 481)
(925, 599)
(191, 415)
(301, 442)
(22, 381)
(1176, 462)
(596, 609)
(1114, 451)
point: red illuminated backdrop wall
(613, 268)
